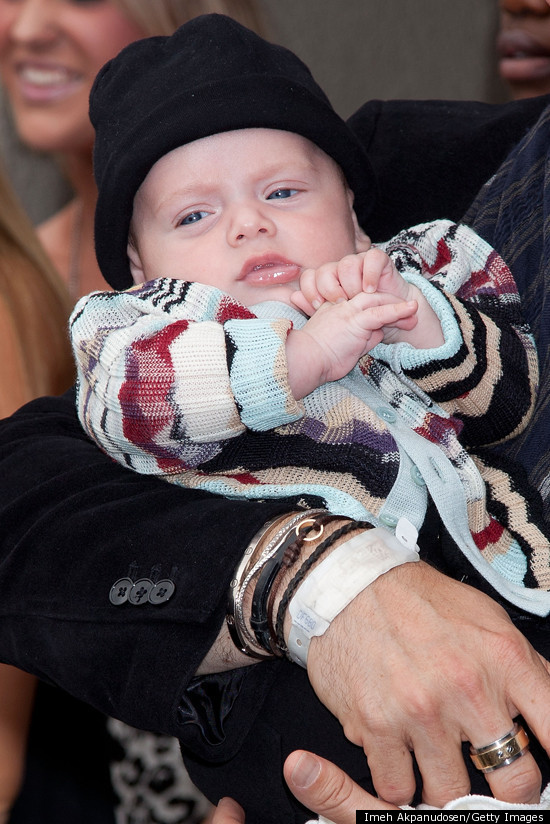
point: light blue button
(417, 476)
(389, 520)
(386, 414)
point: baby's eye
(192, 217)
(281, 194)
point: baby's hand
(370, 271)
(329, 345)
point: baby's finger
(349, 274)
(375, 264)
(309, 290)
(299, 300)
(406, 324)
(327, 282)
(387, 314)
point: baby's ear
(362, 240)
(136, 266)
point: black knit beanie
(212, 75)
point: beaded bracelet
(250, 564)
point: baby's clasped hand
(372, 274)
(334, 338)
(370, 271)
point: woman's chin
(47, 134)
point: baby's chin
(281, 294)
(276, 307)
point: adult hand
(326, 789)
(227, 812)
(318, 785)
(442, 663)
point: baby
(267, 350)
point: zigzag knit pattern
(180, 380)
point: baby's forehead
(252, 151)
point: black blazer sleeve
(430, 157)
(72, 523)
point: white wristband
(338, 579)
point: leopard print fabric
(151, 782)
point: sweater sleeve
(169, 370)
(486, 371)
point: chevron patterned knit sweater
(179, 380)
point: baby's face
(245, 211)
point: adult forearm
(17, 691)
(463, 658)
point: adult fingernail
(306, 771)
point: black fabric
(430, 157)
(213, 75)
(67, 778)
(72, 522)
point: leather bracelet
(248, 566)
(350, 526)
(289, 548)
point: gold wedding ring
(501, 752)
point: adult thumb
(326, 789)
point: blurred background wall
(390, 49)
(357, 50)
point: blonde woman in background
(50, 52)
(34, 308)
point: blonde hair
(165, 16)
(36, 307)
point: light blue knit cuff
(402, 356)
(259, 372)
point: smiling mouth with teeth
(45, 76)
(37, 84)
